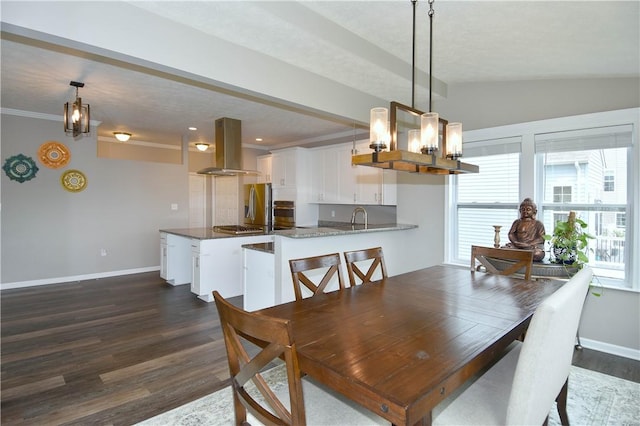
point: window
(583, 159)
(621, 220)
(609, 182)
(490, 197)
(583, 164)
(561, 194)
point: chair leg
(561, 402)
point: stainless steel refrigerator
(258, 209)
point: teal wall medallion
(20, 168)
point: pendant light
(424, 153)
(76, 115)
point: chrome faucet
(364, 214)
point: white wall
(480, 106)
(52, 235)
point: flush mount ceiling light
(419, 133)
(202, 146)
(76, 115)
(122, 136)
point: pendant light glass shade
(454, 140)
(378, 129)
(429, 132)
(415, 143)
(202, 146)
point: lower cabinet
(174, 259)
(258, 280)
(211, 264)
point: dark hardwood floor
(123, 349)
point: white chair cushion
(482, 401)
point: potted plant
(570, 240)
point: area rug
(594, 399)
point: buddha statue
(527, 233)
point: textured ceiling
(363, 45)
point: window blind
(585, 139)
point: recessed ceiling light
(193, 128)
(258, 139)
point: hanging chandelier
(76, 115)
(431, 144)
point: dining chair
(273, 341)
(353, 257)
(521, 387)
(304, 269)
(519, 259)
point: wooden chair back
(301, 267)
(353, 270)
(241, 328)
(522, 259)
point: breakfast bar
(230, 263)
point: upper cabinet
(283, 167)
(336, 181)
(264, 167)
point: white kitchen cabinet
(347, 176)
(258, 279)
(217, 264)
(283, 168)
(174, 259)
(163, 256)
(336, 181)
(325, 185)
(264, 167)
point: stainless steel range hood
(228, 150)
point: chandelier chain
(431, 12)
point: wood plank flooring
(123, 349)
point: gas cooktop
(239, 229)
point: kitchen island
(267, 279)
(205, 259)
(210, 260)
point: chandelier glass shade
(77, 116)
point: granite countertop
(327, 229)
(324, 229)
(206, 233)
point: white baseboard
(611, 349)
(33, 283)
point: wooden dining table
(401, 345)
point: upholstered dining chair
(520, 260)
(273, 337)
(301, 273)
(359, 257)
(521, 387)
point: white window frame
(529, 174)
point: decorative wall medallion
(20, 168)
(73, 180)
(54, 154)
